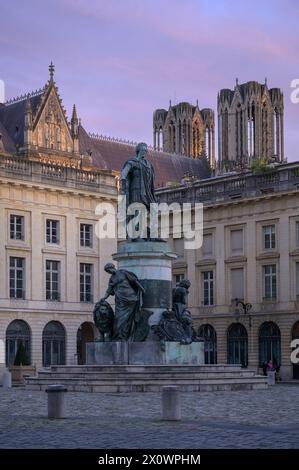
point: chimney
(2, 91)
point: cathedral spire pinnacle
(28, 105)
(75, 128)
(237, 81)
(74, 114)
(51, 70)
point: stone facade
(250, 124)
(37, 201)
(51, 261)
(186, 130)
(251, 252)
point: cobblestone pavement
(239, 419)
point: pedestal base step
(148, 378)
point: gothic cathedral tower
(186, 130)
(250, 124)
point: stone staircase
(147, 378)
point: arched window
(194, 143)
(251, 130)
(184, 138)
(160, 139)
(269, 343)
(207, 142)
(53, 344)
(276, 132)
(173, 138)
(239, 132)
(180, 137)
(208, 333)
(85, 334)
(237, 345)
(17, 332)
(265, 130)
(295, 335)
(224, 128)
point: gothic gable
(237, 99)
(50, 128)
(197, 117)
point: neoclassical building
(250, 123)
(51, 261)
(250, 252)
(53, 176)
(186, 130)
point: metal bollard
(171, 403)
(6, 379)
(56, 404)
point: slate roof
(106, 153)
(12, 117)
(112, 155)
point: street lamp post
(246, 309)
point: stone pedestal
(151, 262)
(144, 353)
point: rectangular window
(236, 241)
(16, 227)
(86, 282)
(207, 245)
(270, 281)
(178, 277)
(52, 231)
(52, 280)
(237, 283)
(269, 241)
(86, 231)
(297, 279)
(207, 279)
(178, 246)
(16, 278)
(297, 234)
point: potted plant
(21, 367)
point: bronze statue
(137, 178)
(103, 317)
(180, 304)
(170, 329)
(128, 292)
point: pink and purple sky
(118, 60)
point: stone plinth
(151, 262)
(144, 353)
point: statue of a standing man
(137, 184)
(137, 178)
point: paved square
(241, 419)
